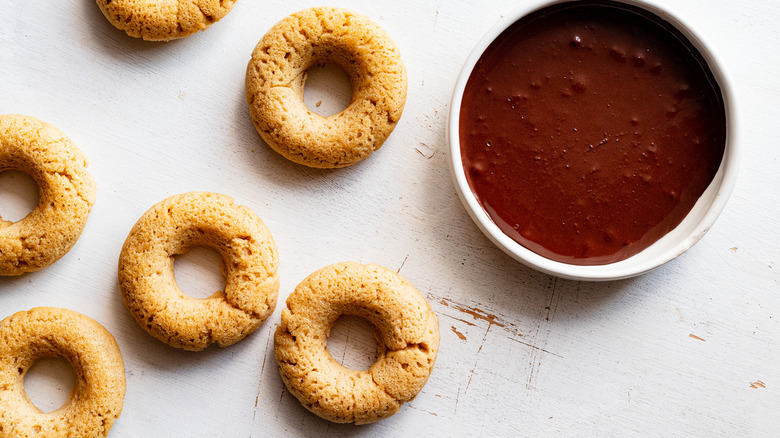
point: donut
(276, 75)
(406, 329)
(163, 20)
(66, 194)
(96, 400)
(249, 263)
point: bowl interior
(686, 234)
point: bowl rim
(713, 201)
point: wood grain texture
(690, 349)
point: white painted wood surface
(690, 349)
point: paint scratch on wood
(471, 374)
(461, 320)
(262, 368)
(477, 314)
(426, 151)
(535, 347)
(538, 341)
(757, 384)
(460, 335)
(696, 337)
(402, 264)
(346, 344)
(481, 317)
(423, 410)
(550, 308)
(476, 356)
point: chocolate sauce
(589, 130)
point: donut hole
(352, 343)
(18, 195)
(49, 382)
(327, 89)
(198, 272)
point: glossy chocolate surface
(589, 130)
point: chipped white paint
(690, 349)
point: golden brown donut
(407, 334)
(96, 400)
(163, 20)
(66, 194)
(249, 263)
(276, 75)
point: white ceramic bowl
(676, 242)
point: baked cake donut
(249, 263)
(96, 400)
(65, 198)
(163, 20)
(406, 329)
(276, 75)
